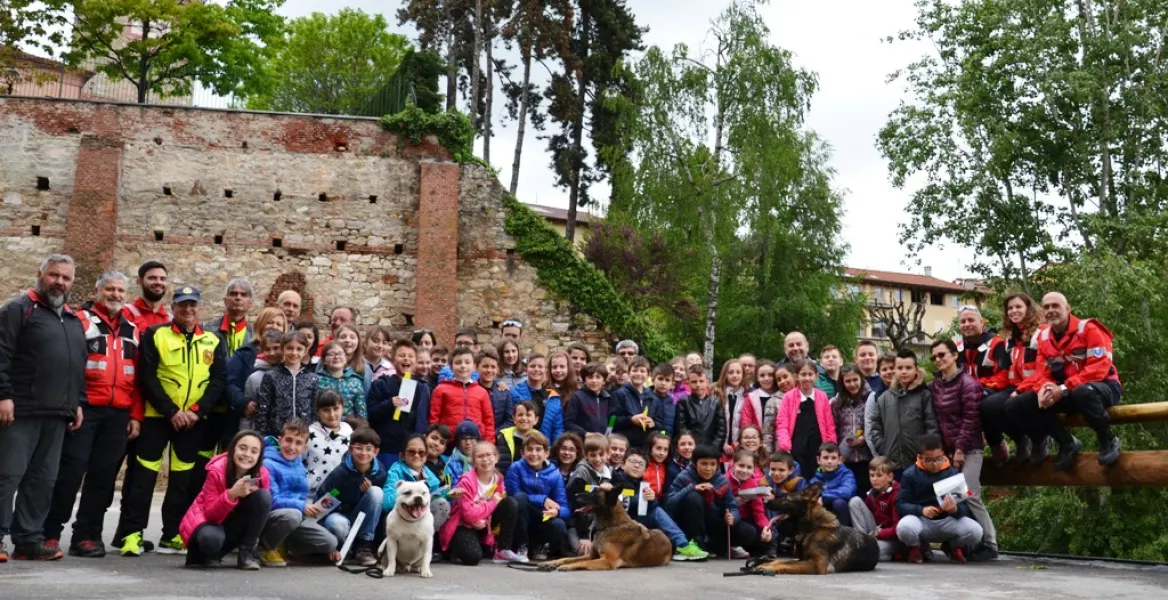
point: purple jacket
(957, 402)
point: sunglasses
(511, 323)
(940, 355)
(414, 452)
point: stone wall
(407, 237)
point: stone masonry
(328, 206)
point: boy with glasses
(924, 519)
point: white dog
(409, 532)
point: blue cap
(467, 429)
(187, 293)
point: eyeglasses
(415, 452)
(634, 463)
(940, 355)
(340, 355)
(485, 457)
(933, 461)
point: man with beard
(797, 348)
(233, 331)
(148, 310)
(112, 415)
(42, 383)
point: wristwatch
(1064, 389)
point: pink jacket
(789, 410)
(752, 411)
(470, 508)
(213, 505)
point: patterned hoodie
(326, 448)
(350, 386)
(283, 397)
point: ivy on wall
(453, 130)
(561, 270)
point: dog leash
(532, 567)
(751, 567)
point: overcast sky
(840, 40)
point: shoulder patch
(1098, 352)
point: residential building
(884, 290)
(558, 217)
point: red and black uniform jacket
(111, 368)
(1083, 354)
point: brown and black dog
(822, 545)
(620, 541)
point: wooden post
(1153, 412)
(1134, 469)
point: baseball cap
(467, 429)
(187, 293)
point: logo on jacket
(1098, 352)
(208, 357)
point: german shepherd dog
(620, 541)
(822, 545)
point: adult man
(979, 351)
(512, 330)
(466, 338)
(866, 356)
(797, 348)
(147, 310)
(112, 415)
(289, 302)
(627, 349)
(233, 331)
(182, 376)
(1075, 373)
(341, 315)
(42, 382)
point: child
(509, 443)
(680, 385)
(634, 416)
(312, 334)
(271, 356)
(754, 411)
(481, 505)
(887, 368)
(745, 474)
(618, 446)
(462, 399)
(784, 382)
(538, 489)
(749, 363)
(686, 444)
(466, 435)
(439, 358)
(288, 391)
(804, 420)
(657, 469)
(377, 364)
(593, 471)
(438, 437)
(875, 514)
(700, 413)
(659, 399)
(903, 413)
(567, 452)
(286, 527)
(536, 389)
(511, 370)
(923, 520)
(655, 516)
(410, 469)
(588, 408)
(867, 357)
(830, 360)
(618, 373)
(328, 438)
(391, 423)
(732, 394)
(579, 355)
(424, 363)
(750, 439)
(694, 359)
(357, 483)
(839, 485)
(487, 365)
(350, 339)
(336, 374)
(847, 408)
(700, 501)
(561, 376)
(784, 479)
(231, 508)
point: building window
(854, 289)
(878, 329)
(956, 301)
(879, 295)
(937, 298)
(918, 297)
(900, 295)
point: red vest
(111, 368)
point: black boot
(1039, 452)
(1067, 453)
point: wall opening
(43, 184)
(166, 191)
(373, 199)
(399, 248)
(228, 193)
(276, 196)
(340, 245)
(218, 240)
(36, 230)
(158, 233)
(277, 242)
(323, 197)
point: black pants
(859, 470)
(155, 437)
(1090, 399)
(241, 529)
(700, 522)
(996, 420)
(214, 427)
(531, 529)
(467, 543)
(93, 453)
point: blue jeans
(341, 521)
(659, 519)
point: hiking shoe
(983, 553)
(247, 560)
(1022, 449)
(956, 555)
(1067, 453)
(132, 544)
(53, 544)
(503, 557)
(690, 551)
(38, 551)
(1109, 452)
(146, 545)
(87, 549)
(3, 553)
(1039, 452)
(272, 559)
(1000, 453)
(365, 557)
(522, 552)
(172, 546)
(914, 556)
(739, 552)
(540, 554)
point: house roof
(24, 58)
(552, 213)
(910, 280)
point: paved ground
(163, 577)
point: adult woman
(511, 371)
(424, 339)
(1015, 344)
(242, 363)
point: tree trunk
(712, 310)
(474, 66)
(578, 125)
(143, 83)
(490, 96)
(524, 99)
(451, 66)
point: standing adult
(112, 415)
(148, 309)
(242, 363)
(341, 316)
(182, 377)
(42, 383)
(1075, 374)
(512, 330)
(233, 331)
(628, 350)
(289, 302)
(797, 348)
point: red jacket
(987, 360)
(752, 509)
(883, 507)
(145, 317)
(112, 363)
(1020, 357)
(1082, 355)
(454, 402)
(213, 505)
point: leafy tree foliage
(32, 24)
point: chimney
(928, 271)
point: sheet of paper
(409, 387)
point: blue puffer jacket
(839, 484)
(551, 422)
(289, 477)
(538, 485)
(401, 472)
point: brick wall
(327, 206)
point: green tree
(331, 64)
(174, 42)
(32, 24)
